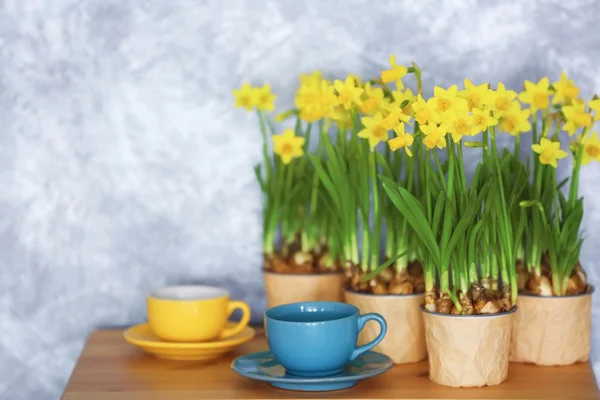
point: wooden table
(110, 368)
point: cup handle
(231, 307)
(362, 320)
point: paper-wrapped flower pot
(468, 350)
(292, 288)
(552, 330)
(405, 338)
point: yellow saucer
(142, 336)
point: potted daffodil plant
(553, 326)
(298, 265)
(372, 239)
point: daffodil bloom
(576, 117)
(481, 121)
(591, 149)
(503, 100)
(477, 96)
(395, 73)
(446, 101)
(342, 117)
(401, 96)
(348, 93)
(288, 146)
(424, 111)
(356, 79)
(245, 97)
(435, 136)
(307, 95)
(565, 88)
(537, 95)
(393, 113)
(595, 105)
(313, 79)
(402, 140)
(549, 152)
(515, 120)
(459, 124)
(265, 100)
(374, 130)
(315, 103)
(371, 99)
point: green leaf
(475, 145)
(473, 207)
(437, 213)
(259, 178)
(382, 267)
(562, 183)
(411, 210)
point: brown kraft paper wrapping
(292, 288)
(468, 351)
(552, 330)
(404, 341)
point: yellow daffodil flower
(313, 79)
(549, 152)
(477, 96)
(288, 146)
(565, 88)
(576, 117)
(265, 100)
(595, 105)
(537, 95)
(503, 100)
(372, 97)
(446, 101)
(245, 97)
(374, 130)
(435, 136)
(348, 93)
(315, 103)
(424, 111)
(591, 149)
(307, 95)
(396, 73)
(402, 140)
(515, 120)
(393, 113)
(356, 79)
(481, 121)
(342, 117)
(459, 124)
(402, 96)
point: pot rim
(264, 271)
(477, 316)
(383, 296)
(589, 293)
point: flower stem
(376, 214)
(451, 161)
(267, 159)
(439, 167)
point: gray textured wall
(124, 166)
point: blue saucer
(263, 367)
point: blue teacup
(317, 338)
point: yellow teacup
(193, 313)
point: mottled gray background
(124, 166)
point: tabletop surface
(109, 368)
